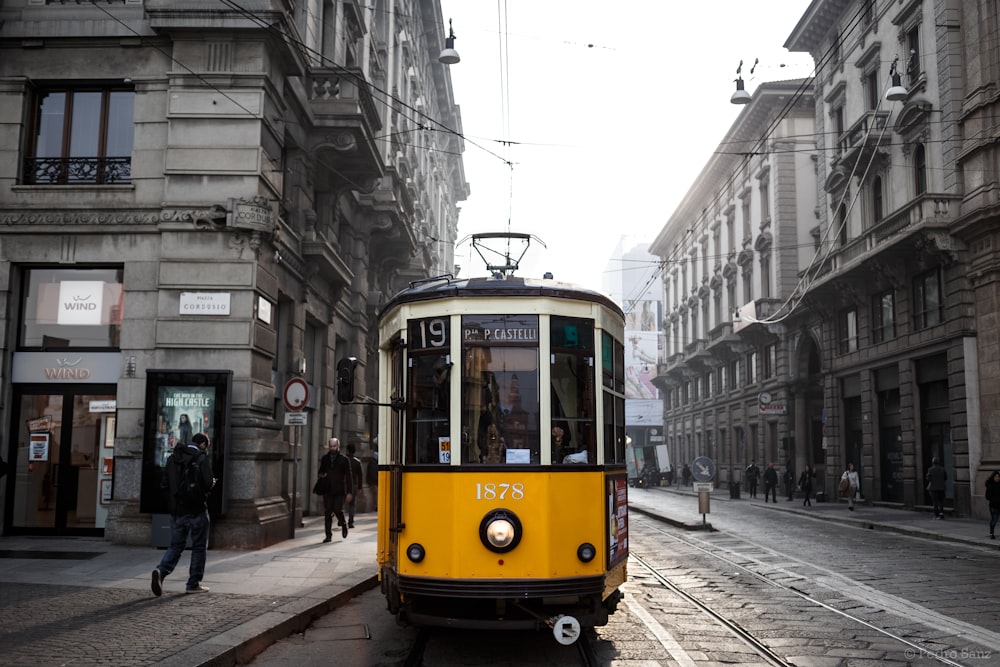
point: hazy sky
(612, 110)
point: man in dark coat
(357, 478)
(188, 513)
(335, 467)
(771, 483)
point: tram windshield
(500, 402)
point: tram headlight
(415, 552)
(586, 552)
(500, 530)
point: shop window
(72, 309)
(80, 136)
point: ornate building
(882, 324)
(199, 202)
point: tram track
(741, 568)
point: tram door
(64, 460)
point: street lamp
(449, 56)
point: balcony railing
(870, 125)
(936, 209)
(78, 171)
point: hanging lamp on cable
(449, 56)
(896, 92)
(741, 96)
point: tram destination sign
(501, 329)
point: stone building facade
(885, 353)
(199, 202)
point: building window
(734, 373)
(927, 299)
(838, 122)
(770, 360)
(847, 334)
(731, 295)
(747, 285)
(884, 317)
(81, 136)
(752, 367)
(913, 62)
(731, 231)
(873, 89)
(877, 203)
(842, 236)
(765, 204)
(765, 276)
(720, 379)
(747, 232)
(920, 169)
(72, 309)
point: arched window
(920, 169)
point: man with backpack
(189, 473)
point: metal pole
(296, 431)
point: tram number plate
(500, 491)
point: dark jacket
(178, 461)
(936, 477)
(337, 468)
(771, 477)
(806, 481)
(356, 471)
(993, 492)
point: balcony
(894, 240)
(78, 171)
(862, 138)
(345, 122)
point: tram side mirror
(345, 379)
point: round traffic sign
(296, 394)
(703, 469)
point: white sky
(611, 135)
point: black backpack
(189, 494)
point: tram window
(612, 372)
(429, 409)
(614, 428)
(500, 400)
(572, 392)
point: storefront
(64, 382)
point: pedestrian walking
(771, 483)
(789, 481)
(336, 470)
(936, 478)
(753, 476)
(686, 474)
(806, 485)
(849, 484)
(993, 498)
(189, 477)
(356, 474)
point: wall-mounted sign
(263, 310)
(69, 367)
(255, 215)
(204, 303)
(772, 409)
(104, 406)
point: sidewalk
(83, 601)
(873, 517)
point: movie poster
(183, 411)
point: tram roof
(500, 286)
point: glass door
(64, 460)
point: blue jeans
(195, 525)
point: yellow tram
(502, 481)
